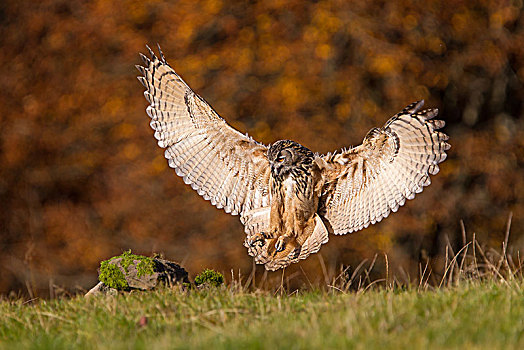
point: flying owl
(289, 198)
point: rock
(136, 272)
(143, 282)
(170, 273)
(101, 288)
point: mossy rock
(209, 278)
(130, 271)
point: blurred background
(82, 179)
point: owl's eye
(280, 159)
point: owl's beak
(275, 169)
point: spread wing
(393, 163)
(226, 167)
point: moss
(111, 275)
(209, 277)
(145, 266)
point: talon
(280, 245)
(268, 235)
(257, 237)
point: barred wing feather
(224, 166)
(366, 183)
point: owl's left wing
(393, 163)
(224, 166)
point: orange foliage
(81, 178)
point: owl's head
(286, 156)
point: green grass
(473, 315)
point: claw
(257, 237)
(268, 235)
(280, 245)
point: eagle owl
(289, 198)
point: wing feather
(366, 183)
(224, 166)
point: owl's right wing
(226, 167)
(393, 163)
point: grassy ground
(474, 315)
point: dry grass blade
(449, 273)
(503, 258)
(323, 266)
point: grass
(474, 315)
(477, 303)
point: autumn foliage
(81, 177)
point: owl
(289, 198)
